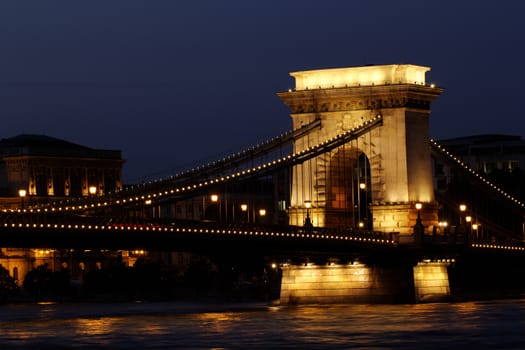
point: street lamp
(419, 229)
(244, 209)
(468, 219)
(262, 214)
(442, 226)
(475, 228)
(92, 190)
(462, 209)
(307, 221)
(362, 187)
(214, 198)
(22, 193)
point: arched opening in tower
(349, 189)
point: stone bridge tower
(375, 180)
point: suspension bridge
(352, 181)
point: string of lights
(488, 183)
(290, 159)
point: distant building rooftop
(486, 144)
(42, 145)
(484, 138)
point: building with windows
(35, 168)
(499, 158)
(44, 166)
(487, 153)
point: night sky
(178, 83)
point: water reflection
(94, 326)
(217, 322)
(474, 324)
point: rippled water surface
(494, 324)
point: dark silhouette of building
(489, 153)
(499, 158)
(44, 166)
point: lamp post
(475, 228)
(362, 187)
(92, 190)
(363, 206)
(244, 209)
(214, 198)
(462, 209)
(147, 203)
(307, 221)
(262, 214)
(442, 226)
(22, 193)
(468, 219)
(419, 229)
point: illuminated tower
(374, 180)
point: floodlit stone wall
(431, 281)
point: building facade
(44, 166)
(500, 158)
(35, 168)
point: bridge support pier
(358, 283)
(431, 282)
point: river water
(474, 325)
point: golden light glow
(431, 280)
(244, 207)
(468, 218)
(310, 282)
(308, 204)
(262, 212)
(462, 207)
(360, 76)
(147, 201)
(419, 206)
(92, 190)
(214, 198)
(362, 185)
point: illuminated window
(514, 164)
(488, 167)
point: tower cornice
(360, 98)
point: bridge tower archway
(393, 158)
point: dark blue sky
(176, 83)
